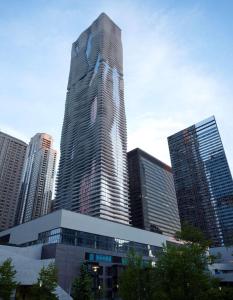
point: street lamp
(95, 268)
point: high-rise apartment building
(37, 179)
(203, 180)
(92, 175)
(12, 154)
(152, 194)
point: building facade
(153, 201)
(71, 239)
(37, 179)
(222, 268)
(12, 155)
(27, 262)
(203, 180)
(92, 175)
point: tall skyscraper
(12, 154)
(203, 180)
(37, 179)
(92, 175)
(152, 194)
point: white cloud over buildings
(167, 87)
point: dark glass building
(92, 176)
(203, 181)
(152, 194)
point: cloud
(164, 77)
(163, 73)
(151, 133)
(160, 70)
(14, 132)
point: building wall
(28, 232)
(135, 190)
(12, 155)
(69, 259)
(27, 262)
(70, 239)
(92, 176)
(203, 181)
(37, 180)
(222, 268)
(152, 194)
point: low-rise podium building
(71, 239)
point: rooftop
(29, 231)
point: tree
(220, 293)
(182, 273)
(7, 282)
(136, 281)
(82, 285)
(182, 270)
(192, 234)
(46, 284)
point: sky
(178, 66)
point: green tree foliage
(221, 293)
(82, 285)
(136, 281)
(192, 234)
(181, 273)
(7, 282)
(46, 284)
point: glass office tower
(37, 179)
(92, 176)
(152, 194)
(203, 180)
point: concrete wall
(28, 231)
(223, 266)
(26, 262)
(63, 218)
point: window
(89, 240)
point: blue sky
(178, 65)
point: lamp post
(97, 287)
(117, 288)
